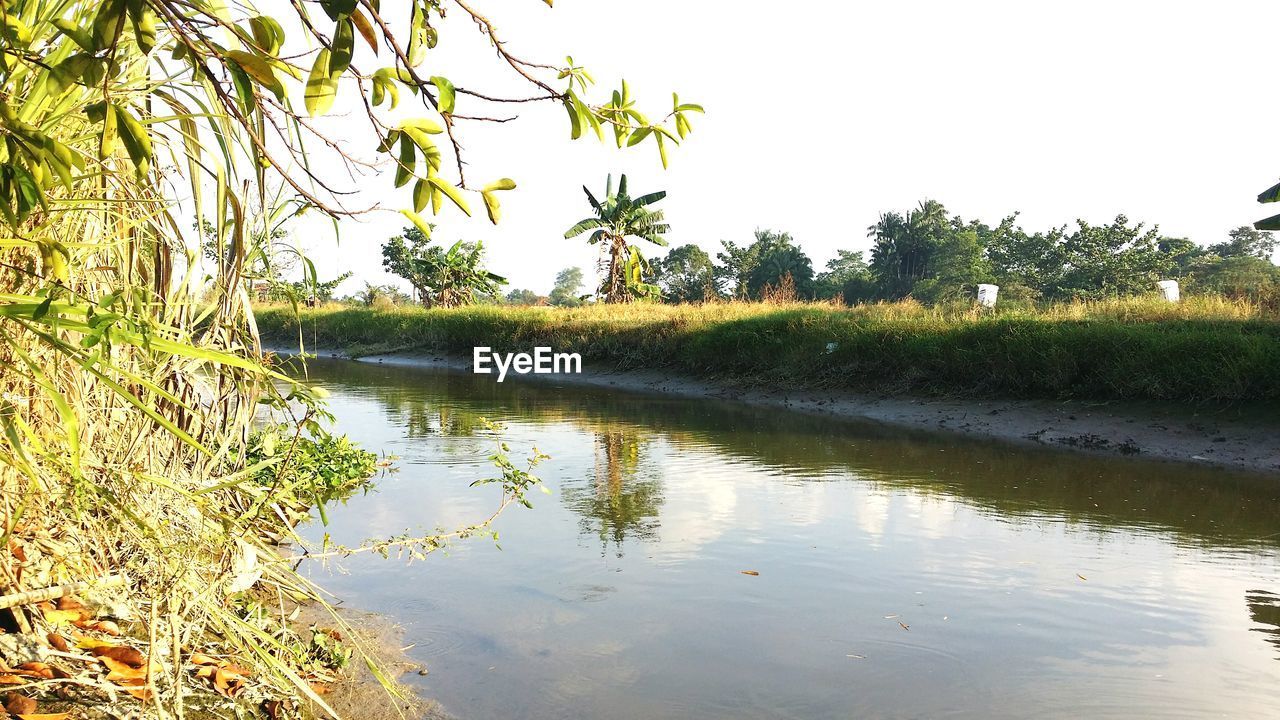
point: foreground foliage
(135, 135)
(1202, 350)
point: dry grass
(1202, 350)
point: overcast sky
(821, 115)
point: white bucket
(987, 295)
(1169, 289)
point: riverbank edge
(1211, 437)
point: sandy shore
(1206, 436)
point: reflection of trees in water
(618, 502)
(1264, 608)
(424, 418)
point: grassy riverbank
(1202, 350)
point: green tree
(1246, 242)
(619, 217)
(444, 278)
(567, 288)
(524, 297)
(778, 261)
(905, 246)
(686, 274)
(1109, 260)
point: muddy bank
(358, 694)
(1247, 440)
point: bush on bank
(1202, 350)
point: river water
(900, 574)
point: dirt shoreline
(1203, 436)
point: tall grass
(1204, 349)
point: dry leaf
(319, 688)
(749, 572)
(1081, 576)
(61, 617)
(121, 671)
(89, 643)
(18, 704)
(58, 642)
(142, 694)
(126, 655)
(44, 716)
(107, 627)
(10, 679)
(69, 602)
(904, 625)
(202, 659)
(34, 669)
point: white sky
(821, 115)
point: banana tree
(617, 218)
(455, 276)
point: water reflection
(1264, 608)
(901, 574)
(619, 500)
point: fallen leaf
(904, 625)
(58, 642)
(202, 659)
(89, 643)
(61, 617)
(10, 679)
(44, 716)
(857, 657)
(1081, 576)
(34, 669)
(749, 572)
(142, 694)
(69, 602)
(320, 688)
(126, 655)
(121, 671)
(18, 704)
(107, 627)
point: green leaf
(322, 87)
(77, 34)
(338, 9)
(451, 192)
(66, 73)
(502, 184)
(419, 38)
(136, 140)
(491, 206)
(447, 93)
(257, 67)
(406, 162)
(1271, 194)
(422, 124)
(575, 120)
(421, 195)
(1271, 223)
(344, 44)
(418, 222)
(267, 33)
(384, 84)
(108, 23)
(638, 136)
(107, 143)
(144, 25)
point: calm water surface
(901, 575)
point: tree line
(926, 253)
(933, 256)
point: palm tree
(620, 216)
